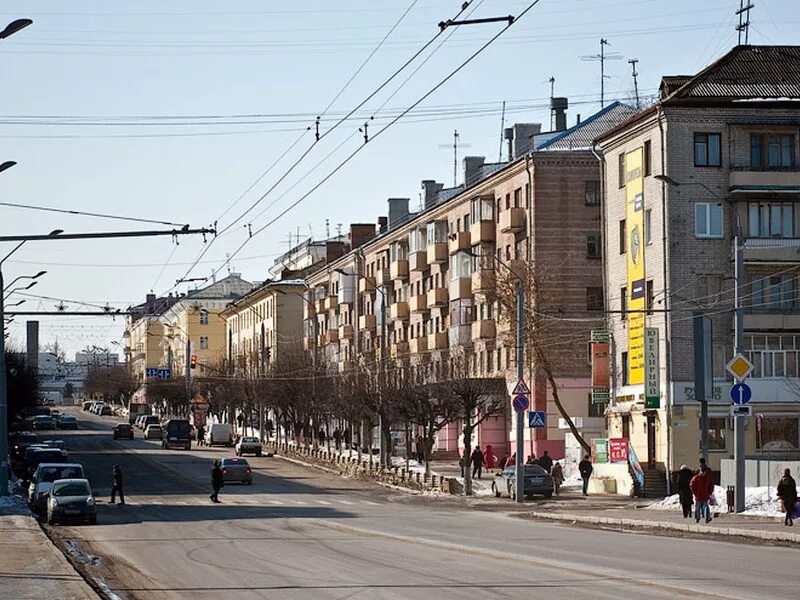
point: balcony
(320, 305)
(309, 311)
(483, 281)
(308, 343)
(331, 336)
(437, 341)
(512, 220)
(485, 329)
(418, 304)
(418, 345)
(745, 179)
(366, 285)
(382, 277)
(437, 297)
(772, 250)
(398, 311)
(399, 349)
(367, 322)
(771, 319)
(418, 261)
(481, 232)
(460, 288)
(460, 335)
(331, 302)
(458, 242)
(398, 270)
(345, 332)
(437, 253)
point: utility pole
(602, 57)
(633, 62)
(519, 466)
(740, 420)
(744, 20)
(188, 370)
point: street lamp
(4, 166)
(39, 274)
(14, 27)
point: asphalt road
(299, 533)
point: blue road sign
(741, 393)
(537, 420)
(520, 403)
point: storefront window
(778, 434)
(717, 433)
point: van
(219, 434)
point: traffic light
(193, 362)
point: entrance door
(626, 426)
(651, 440)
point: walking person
(684, 492)
(419, 446)
(787, 492)
(201, 436)
(546, 462)
(462, 462)
(558, 477)
(337, 439)
(216, 482)
(585, 468)
(702, 487)
(477, 462)
(489, 459)
(116, 485)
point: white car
(43, 478)
(248, 445)
(154, 432)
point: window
(778, 434)
(772, 293)
(624, 366)
(773, 355)
(649, 296)
(648, 227)
(707, 150)
(594, 298)
(708, 220)
(481, 209)
(437, 233)
(770, 219)
(203, 317)
(204, 342)
(648, 159)
(717, 433)
(623, 295)
(592, 193)
(593, 247)
(621, 169)
(773, 151)
(622, 236)
(518, 197)
(595, 409)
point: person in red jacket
(702, 487)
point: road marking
(324, 502)
(347, 502)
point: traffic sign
(741, 393)
(521, 389)
(537, 420)
(739, 366)
(740, 410)
(520, 403)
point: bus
(177, 434)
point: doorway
(651, 440)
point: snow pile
(12, 504)
(758, 501)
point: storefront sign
(601, 373)
(652, 376)
(634, 237)
(618, 450)
(600, 450)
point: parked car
(236, 469)
(60, 444)
(248, 445)
(177, 434)
(123, 430)
(43, 478)
(87, 405)
(71, 499)
(67, 422)
(219, 434)
(106, 411)
(153, 432)
(43, 422)
(537, 481)
(36, 455)
(19, 442)
(150, 420)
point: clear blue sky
(82, 85)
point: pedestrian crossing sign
(536, 420)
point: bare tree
(114, 382)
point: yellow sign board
(739, 366)
(634, 232)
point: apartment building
(719, 150)
(144, 335)
(423, 291)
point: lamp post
(27, 287)
(14, 27)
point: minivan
(219, 434)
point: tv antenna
(633, 62)
(744, 20)
(552, 82)
(602, 57)
(455, 146)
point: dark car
(19, 442)
(67, 422)
(123, 430)
(236, 469)
(537, 481)
(35, 456)
(71, 499)
(105, 411)
(43, 422)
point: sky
(185, 112)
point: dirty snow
(758, 501)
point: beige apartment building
(144, 337)
(423, 290)
(718, 150)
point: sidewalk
(31, 567)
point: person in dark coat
(216, 481)
(558, 477)
(477, 462)
(420, 450)
(346, 438)
(546, 462)
(787, 492)
(337, 438)
(201, 436)
(585, 468)
(684, 493)
(116, 485)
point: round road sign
(520, 403)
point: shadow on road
(176, 513)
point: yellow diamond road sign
(739, 366)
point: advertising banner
(634, 233)
(618, 450)
(600, 450)
(652, 377)
(601, 373)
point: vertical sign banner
(634, 232)
(601, 373)
(618, 450)
(600, 450)
(652, 379)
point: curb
(769, 536)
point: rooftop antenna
(338, 230)
(228, 263)
(633, 62)
(327, 229)
(602, 57)
(744, 21)
(552, 82)
(502, 128)
(455, 146)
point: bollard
(417, 478)
(731, 498)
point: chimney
(472, 169)
(578, 119)
(334, 250)
(360, 234)
(559, 107)
(431, 188)
(508, 135)
(398, 211)
(383, 224)
(523, 137)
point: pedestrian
(477, 462)
(787, 492)
(585, 468)
(201, 436)
(419, 445)
(546, 462)
(558, 477)
(684, 492)
(501, 464)
(532, 460)
(216, 481)
(702, 466)
(462, 462)
(489, 459)
(337, 439)
(346, 438)
(511, 461)
(116, 485)
(702, 487)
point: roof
(232, 286)
(582, 135)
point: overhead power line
(89, 214)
